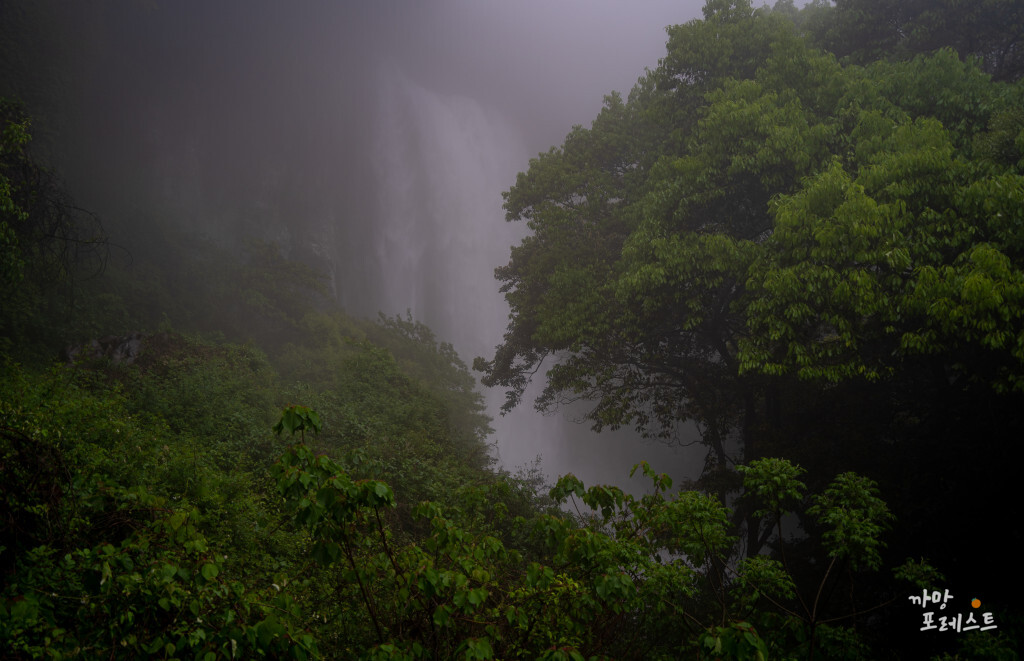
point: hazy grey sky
(282, 77)
(548, 63)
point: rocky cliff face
(119, 350)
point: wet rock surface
(118, 349)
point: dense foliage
(801, 231)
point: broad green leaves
(774, 483)
(298, 419)
(864, 270)
(635, 565)
(160, 590)
(355, 573)
(855, 517)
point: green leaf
(210, 571)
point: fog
(372, 139)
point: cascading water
(441, 162)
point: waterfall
(441, 162)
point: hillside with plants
(802, 232)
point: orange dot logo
(975, 603)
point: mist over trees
(800, 232)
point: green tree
(641, 349)
(802, 256)
(636, 293)
(868, 30)
(47, 244)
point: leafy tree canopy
(867, 30)
(802, 254)
(755, 209)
